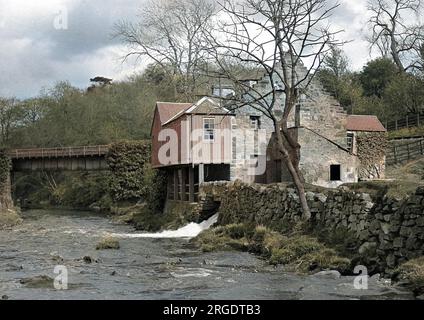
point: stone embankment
(385, 231)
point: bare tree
(10, 116)
(275, 37)
(169, 35)
(391, 33)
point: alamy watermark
(214, 146)
(60, 18)
(60, 21)
(61, 280)
(361, 281)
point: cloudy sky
(45, 41)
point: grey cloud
(34, 54)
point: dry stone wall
(386, 231)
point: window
(209, 129)
(254, 122)
(234, 149)
(335, 172)
(349, 141)
(233, 123)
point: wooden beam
(201, 173)
(191, 184)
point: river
(149, 267)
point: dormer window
(208, 129)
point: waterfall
(189, 231)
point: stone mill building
(208, 141)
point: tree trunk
(395, 53)
(287, 157)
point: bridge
(60, 159)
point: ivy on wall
(5, 167)
(127, 161)
(371, 150)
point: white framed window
(208, 129)
(254, 122)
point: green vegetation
(412, 272)
(297, 252)
(413, 171)
(108, 242)
(411, 132)
(395, 189)
(68, 116)
(130, 181)
(9, 218)
(127, 161)
(379, 89)
(5, 166)
(144, 217)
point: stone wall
(385, 231)
(371, 150)
(6, 202)
(317, 157)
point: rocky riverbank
(379, 224)
(9, 218)
(296, 251)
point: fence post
(418, 119)
(396, 124)
(407, 122)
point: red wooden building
(192, 142)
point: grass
(9, 218)
(411, 171)
(412, 272)
(394, 189)
(299, 253)
(108, 242)
(411, 132)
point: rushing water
(149, 266)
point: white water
(189, 231)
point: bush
(412, 272)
